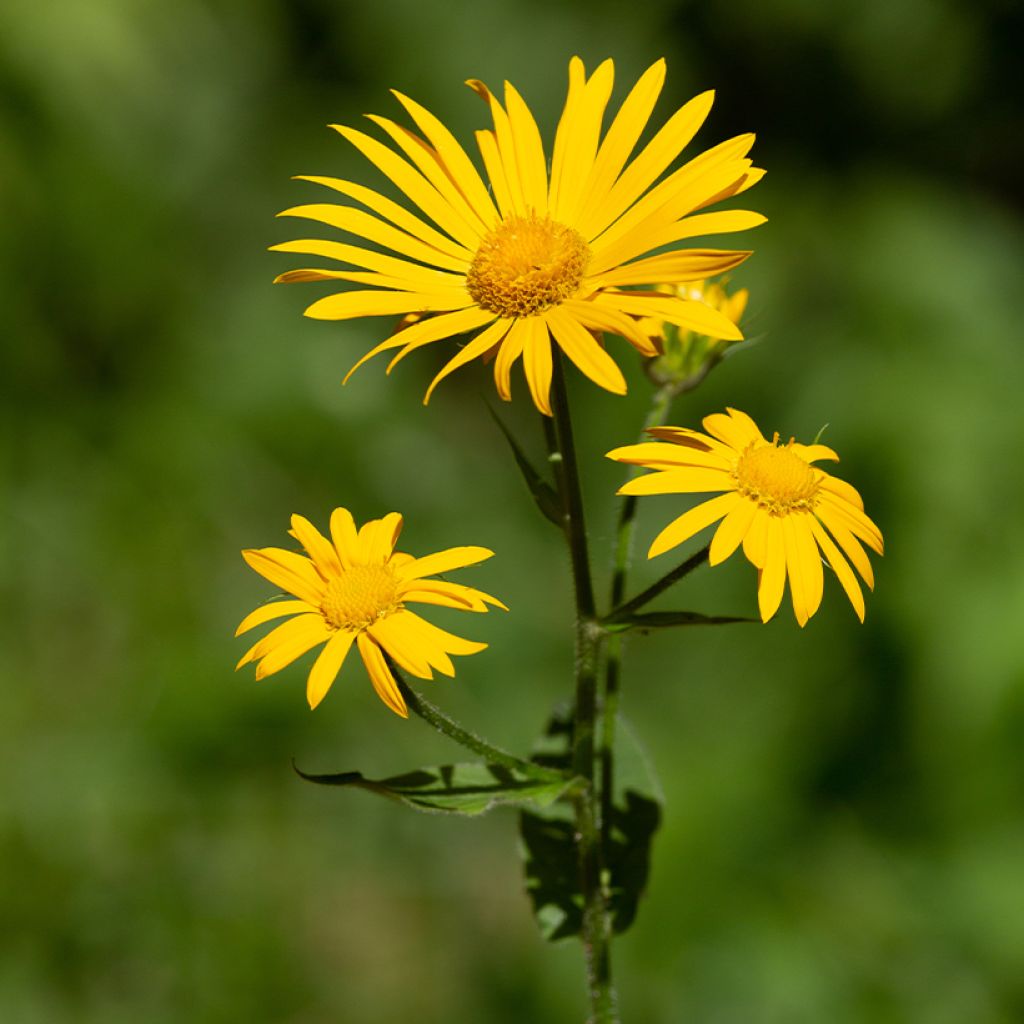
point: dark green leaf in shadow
(543, 493)
(664, 620)
(468, 788)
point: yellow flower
(775, 503)
(354, 588)
(530, 257)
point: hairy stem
(596, 929)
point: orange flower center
(776, 478)
(360, 596)
(526, 265)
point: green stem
(435, 717)
(673, 576)
(596, 926)
(624, 535)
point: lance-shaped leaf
(548, 839)
(664, 620)
(468, 788)
(543, 493)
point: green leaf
(468, 788)
(543, 493)
(548, 839)
(663, 620)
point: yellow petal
(848, 542)
(694, 316)
(412, 182)
(672, 267)
(317, 546)
(327, 666)
(602, 318)
(399, 645)
(365, 225)
(282, 646)
(288, 570)
(733, 432)
(455, 159)
(856, 521)
(688, 480)
(434, 643)
(345, 536)
(529, 151)
(584, 350)
(841, 568)
(380, 675)
(661, 455)
(442, 561)
(537, 363)
(378, 537)
(449, 595)
(691, 522)
(398, 215)
(622, 137)
(772, 578)
(487, 143)
(274, 610)
(511, 349)
(576, 139)
(503, 150)
(816, 452)
(731, 531)
(482, 343)
(349, 305)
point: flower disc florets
(776, 478)
(359, 597)
(526, 265)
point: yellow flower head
(776, 503)
(532, 259)
(354, 588)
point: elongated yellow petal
(694, 316)
(504, 149)
(731, 531)
(841, 568)
(416, 276)
(487, 143)
(400, 645)
(755, 542)
(434, 641)
(648, 165)
(529, 151)
(603, 318)
(855, 519)
(365, 225)
(689, 480)
(841, 489)
(317, 546)
(345, 536)
(672, 267)
(736, 433)
(849, 544)
(412, 182)
(576, 140)
(511, 349)
(537, 362)
(622, 137)
(585, 351)
(661, 455)
(449, 595)
(378, 537)
(691, 522)
(720, 222)
(772, 578)
(461, 221)
(817, 452)
(348, 305)
(482, 343)
(288, 570)
(282, 646)
(327, 666)
(274, 610)
(442, 561)
(397, 215)
(687, 438)
(380, 675)
(455, 159)
(425, 332)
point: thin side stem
(666, 581)
(596, 928)
(436, 718)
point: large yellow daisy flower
(354, 588)
(533, 257)
(775, 503)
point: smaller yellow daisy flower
(775, 503)
(354, 588)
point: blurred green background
(844, 833)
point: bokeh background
(844, 819)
